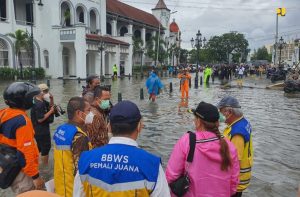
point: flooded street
(275, 119)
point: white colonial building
(67, 34)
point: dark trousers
(238, 194)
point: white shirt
(161, 188)
(241, 71)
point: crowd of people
(96, 151)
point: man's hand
(52, 110)
(39, 183)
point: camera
(58, 111)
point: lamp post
(31, 35)
(101, 48)
(141, 51)
(198, 43)
(281, 45)
(297, 44)
(31, 30)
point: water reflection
(274, 117)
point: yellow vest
(64, 169)
(246, 162)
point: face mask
(33, 101)
(104, 104)
(89, 118)
(222, 117)
(46, 97)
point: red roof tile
(132, 13)
(105, 39)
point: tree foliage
(152, 46)
(219, 48)
(262, 54)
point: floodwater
(274, 117)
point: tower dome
(174, 27)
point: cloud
(255, 18)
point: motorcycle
(278, 75)
(291, 86)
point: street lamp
(141, 51)
(281, 45)
(31, 29)
(198, 43)
(101, 48)
(31, 36)
(297, 43)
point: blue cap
(125, 112)
(229, 101)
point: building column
(80, 59)
(114, 30)
(130, 27)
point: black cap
(207, 112)
(125, 112)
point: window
(123, 31)
(46, 59)
(3, 10)
(108, 28)
(3, 53)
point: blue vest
(119, 168)
(64, 135)
(242, 127)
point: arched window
(46, 59)
(80, 14)
(93, 22)
(66, 14)
(3, 53)
(148, 36)
(108, 28)
(3, 16)
(123, 31)
(137, 34)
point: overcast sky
(254, 18)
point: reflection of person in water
(184, 103)
(153, 85)
(184, 83)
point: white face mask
(89, 118)
(46, 97)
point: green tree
(22, 41)
(262, 54)
(152, 46)
(220, 47)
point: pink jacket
(207, 178)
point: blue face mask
(104, 104)
(222, 117)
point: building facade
(68, 34)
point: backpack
(9, 163)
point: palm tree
(22, 41)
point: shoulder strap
(192, 137)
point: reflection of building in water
(67, 34)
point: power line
(217, 8)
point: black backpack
(9, 164)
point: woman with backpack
(214, 169)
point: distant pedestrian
(239, 132)
(184, 83)
(214, 168)
(115, 71)
(154, 85)
(92, 82)
(241, 71)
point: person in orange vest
(184, 83)
(17, 140)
